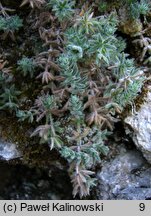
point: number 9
(141, 206)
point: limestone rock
(138, 126)
(126, 177)
(8, 151)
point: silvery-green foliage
(76, 38)
(137, 8)
(63, 8)
(9, 98)
(129, 81)
(103, 47)
(75, 51)
(26, 66)
(89, 154)
(10, 23)
(23, 115)
(49, 102)
(76, 107)
(70, 71)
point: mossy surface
(33, 153)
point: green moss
(33, 154)
(138, 102)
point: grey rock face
(8, 151)
(125, 177)
(140, 124)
